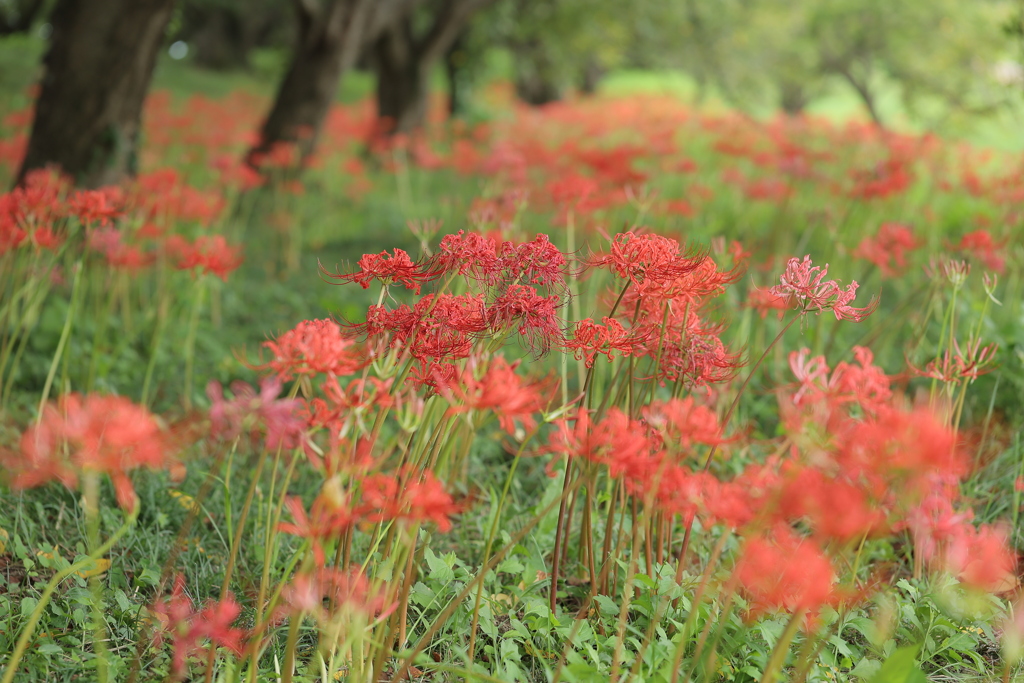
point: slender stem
(64, 335)
(782, 647)
(750, 375)
(457, 601)
(236, 543)
(190, 342)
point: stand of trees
(936, 55)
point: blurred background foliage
(946, 66)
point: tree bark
(793, 97)
(533, 79)
(404, 63)
(401, 80)
(98, 69)
(591, 77)
(330, 38)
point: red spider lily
(92, 433)
(899, 450)
(469, 254)
(961, 364)
(311, 348)
(704, 280)
(590, 339)
(806, 285)
(690, 350)
(189, 629)
(864, 383)
(208, 254)
(885, 179)
(328, 519)
(984, 247)
(684, 422)
(888, 248)
(388, 268)
(763, 301)
(421, 499)
(533, 316)
(981, 558)
(833, 507)
(537, 262)
(280, 420)
(437, 327)
(501, 390)
(647, 260)
(783, 571)
(97, 206)
(348, 591)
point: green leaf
(606, 605)
(866, 669)
(28, 605)
(49, 649)
(901, 667)
(439, 569)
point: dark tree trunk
(220, 40)
(455, 74)
(793, 97)
(534, 80)
(98, 69)
(401, 80)
(591, 77)
(330, 38)
(404, 63)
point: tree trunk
(535, 74)
(591, 77)
(330, 39)
(401, 81)
(792, 97)
(98, 69)
(455, 74)
(404, 63)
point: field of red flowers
(615, 389)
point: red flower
(500, 390)
(591, 339)
(97, 206)
(888, 248)
(785, 572)
(388, 268)
(78, 434)
(248, 412)
(806, 285)
(209, 254)
(329, 517)
(647, 260)
(189, 628)
(313, 347)
(535, 317)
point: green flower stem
(235, 544)
(44, 599)
(782, 647)
(64, 335)
(190, 341)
